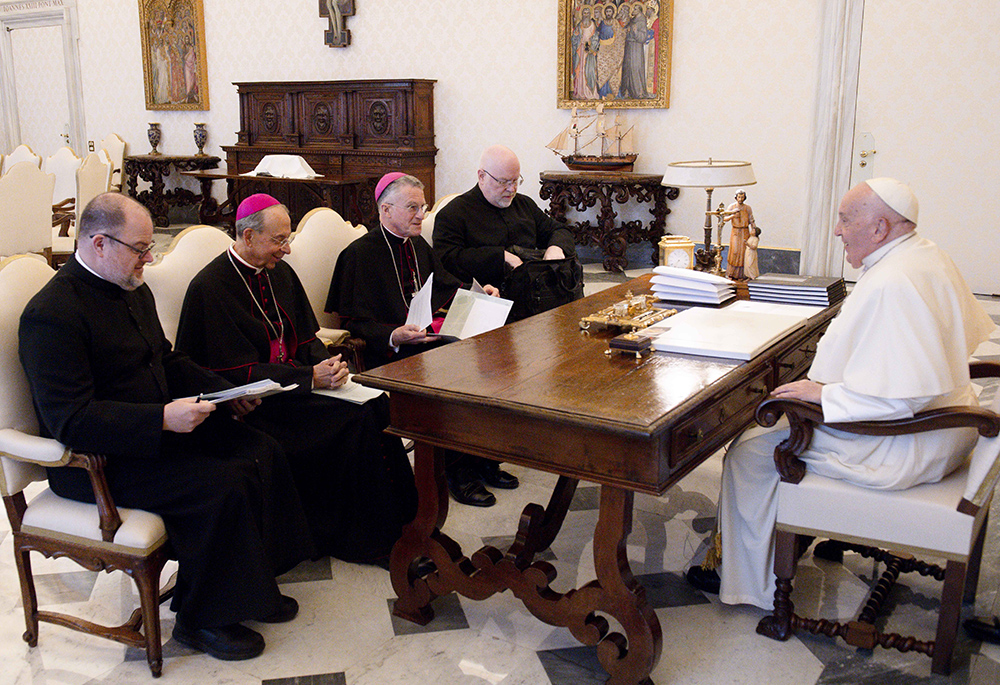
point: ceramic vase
(154, 136)
(200, 138)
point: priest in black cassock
(246, 317)
(103, 376)
(372, 286)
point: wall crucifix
(336, 12)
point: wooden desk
(581, 190)
(155, 168)
(345, 195)
(541, 393)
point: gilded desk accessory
(633, 313)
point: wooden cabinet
(362, 128)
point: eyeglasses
(506, 182)
(412, 207)
(139, 252)
(280, 243)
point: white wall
(743, 75)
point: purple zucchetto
(384, 182)
(254, 204)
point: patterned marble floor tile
(448, 615)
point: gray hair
(255, 221)
(406, 181)
(106, 214)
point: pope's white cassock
(900, 345)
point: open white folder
(471, 311)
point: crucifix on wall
(336, 11)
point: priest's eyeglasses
(281, 243)
(140, 252)
(506, 182)
(411, 207)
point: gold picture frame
(621, 60)
(174, 61)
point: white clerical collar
(86, 266)
(392, 232)
(234, 253)
(873, 258)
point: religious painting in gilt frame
(174, 67)
(616, 52)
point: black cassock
(355, 481)
(100, 372)
(373, 283)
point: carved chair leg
(28, 597)
(975, 558)
(147, 581)
(778, 626)
(947, 627)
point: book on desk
(799, 289)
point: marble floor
(345, 632)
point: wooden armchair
(946, 520)
(99, 537)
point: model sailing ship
(588, 144)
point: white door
(929, 105)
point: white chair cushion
(920, 519)
(53, 516)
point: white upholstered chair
(190, 251)
(63, 164)
(96, 536)
(944, 520)
(427, 227)
(317, 242)
(92, 178)
(115, 147)
(26, 211)
(22, 153)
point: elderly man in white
(900, 345)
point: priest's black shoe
(287, 609)
(706, 580)
(982, 630)
(467, 488)
(496, 477)
(234, 642)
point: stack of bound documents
(795, 289)
(686, 286)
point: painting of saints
(609, 56)
(585, 43)
(633, 81)
(173, 58)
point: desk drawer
(793, 364)
(711, 425)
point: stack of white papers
(259, 389)
(471, 311)
(283, 166)
(740, 331)
(689, 286)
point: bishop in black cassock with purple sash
(247, 323)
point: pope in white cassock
(900, 345)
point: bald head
(866, 223)
(499, 175)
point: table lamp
(709, 174)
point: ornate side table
(582, 190)
(154, 169)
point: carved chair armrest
(981, 369)
(110, 520)
(804, 416)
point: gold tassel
(713, 557)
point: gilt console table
(154, 169)
(582, 190)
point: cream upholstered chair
(63, 164)
(944, 520)
(26, 211)
(96, 536)
(317, 242)
(92, 178)
(190, 251)
(427, 227)
(22, 153)
(115, 147)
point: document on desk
(734, 332)
(472, 313)
(350, 392)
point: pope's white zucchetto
(897, 195)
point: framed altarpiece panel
(174, 62)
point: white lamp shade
(709, 173)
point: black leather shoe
(234, 642)
(830, 550)
(466, 488)
(979, 629)
(496, 477)
(287, 609)
(704, 580)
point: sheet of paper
(259, 389)
(350, 392)
(476, 288)
(473, 313)
(727, 332)
(420, 314)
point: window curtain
(833, 135)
